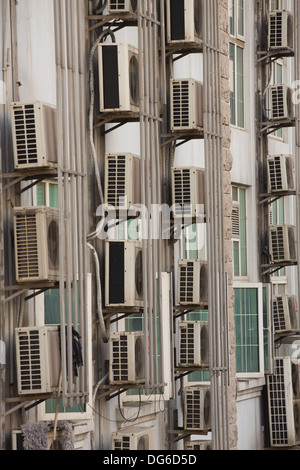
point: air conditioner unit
(122, 6)
(283, 409)
(133, 438)
(36, 232)
(193, 344)
(186, 105)
(197, 408)
(188, 191)
(285, 314)
(34, 134)
(281, 31)
(192, 284)
(184, 21)
(38, 359)
(283, 243)
(280, 104)
(127, 353)
(281, 175)
(122, 181)
(198, 445)
(123, 274)
(118, 77)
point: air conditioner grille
(278, 407)
(181, 103)
(277, 238)
(276, 29)
(116, 184)
(278, 108)
(30, 361)
(182, 191)
(25, 132)
(278, 314)
(122, 443)
(275, 174)
(235, 220)
(120, 359)
(197, 412)
(186, 287)
(187, 344)
(27, 247)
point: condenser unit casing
(184, 21)
(285, 314)
(38, 359)
(36, 231)
(133, 438)
(280, 106)
(197, 408)
(283, 243)
(122, 181)
(188, 192)
(281, 173)
(198, 445)
(284, 411)
(281, 31)
(127, 363)
(122, 6)
(186, 105)
(192, 287)
(118, 78)
(123, 274)
(193, 344)
(34, 134)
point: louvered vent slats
(181, 103)
(120, 360)
(116, 184)
(276, 29)
(27, 246)
(30, 361)
(187, 282)
(25, 131)
(182, 191)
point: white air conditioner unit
(281, 31)
(133, 438)
(36, 232)
(281, 174)
(184, 21)
(123, 274)
(197, 408)
(193, 344)
(295, 371)
(283, 409)
(188, 191)
(283, 243)
(118, 78)
(127, 353)
(122, 6)
(34, 134)
(280, 104)
(122, 181)
(186, 104)
(192, 284)
(38, 359)
(285, 314)
(198, 445)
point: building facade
(149, 210)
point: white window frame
(261, 371)
(237, 239)
(236, 19)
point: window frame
(233, 81)
(234, 239)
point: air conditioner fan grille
(27, 246)
(25, 134)
(30, 361)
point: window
(239, 231)
(236, 62)
(47, 194)
(236, 79)
(248, 316)
(276, 5)
(236, 18)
